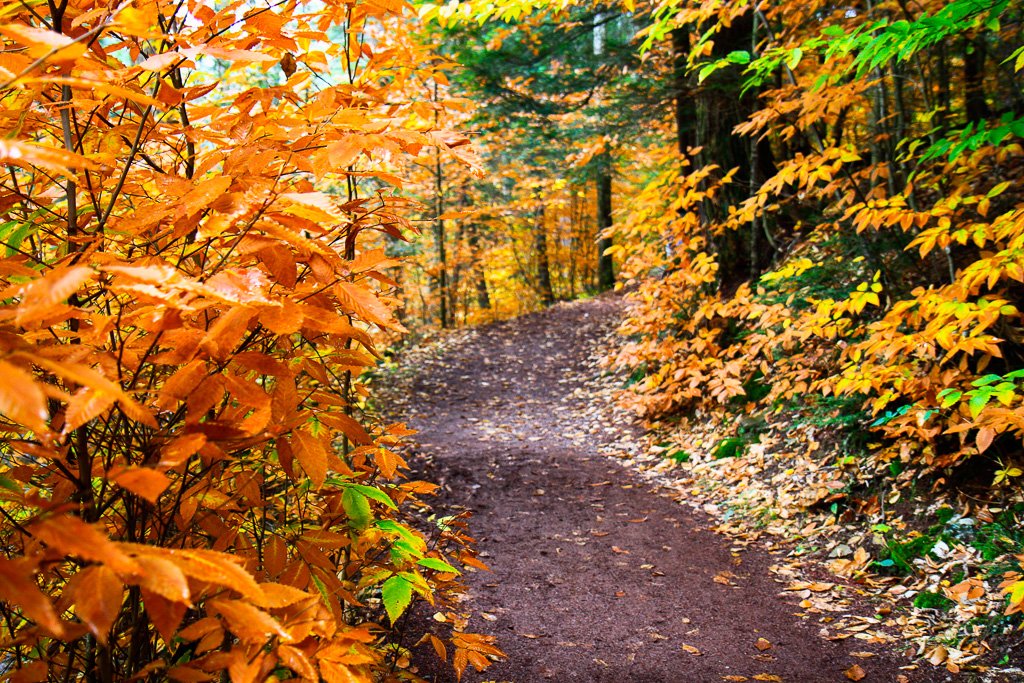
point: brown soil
(596, 576)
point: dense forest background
(218, 215)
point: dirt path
(596, 577)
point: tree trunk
(547, 297)
(720, 107)
(442, 256)
(605, 267)
(974, 91)
(483, 298)
(681, 90)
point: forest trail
(596, 577)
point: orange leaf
(21, 399)
(248, 622)
(224, 335)
(311, 455)
(28, 154)
(40, 42)
(459, 662)
(180, 449)
(439, 648)
(205, 565)
(279, 595)
(98, 595)
(161, 61)
(165, 614)
(348, 426)
(86, 405)
(86, 376)
(297, 661)
(340, 155)
(74, 537)
(985, 437)
(164, 578)
(18, 588)
(188, 674)
(855, 673)
(142, 481)
(201, 196)
(362, 303)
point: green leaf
(978, 402)
(9, 484)
(948, 397)
(794, 58)
(987, 379)
(397, 594)
(18, 235)
(405, 533)
(706, 71)
(739, 57)
(374, 493)
(357, 507)
(439, 565)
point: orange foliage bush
(191, 283)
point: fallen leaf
(692, 650)
(855, 673)
(767, 677)
(762, 644)
(488, 617)
(530, 636)
(939, 655)
(620, 550)
(862, 654)
(738, 679)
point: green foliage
(926, 600)
(729, 448)
(396, 593)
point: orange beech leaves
(195, 205)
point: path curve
(596, 577)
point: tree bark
(605, 266)
(483, 298)
(681, 90)
(974, 90)
(547, 297)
